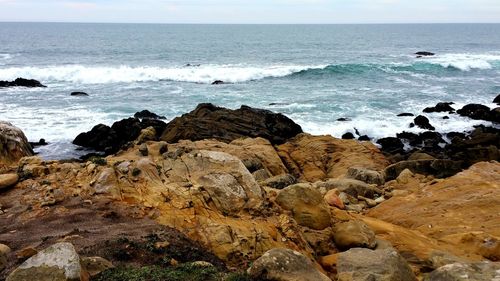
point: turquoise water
(315, 73)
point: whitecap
(465, 62)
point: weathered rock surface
(364, 264)
(285, 265)
(21, 82)
(354, 234)
(439, 168)
(57, 262)
(280, 181)
(13, 144)
(352, 187)
(460, 210)
(314, 158)
(365, 175)
(208, 121)
(306, 204)
(485, 271)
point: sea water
(314, 74)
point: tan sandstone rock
(13, 144)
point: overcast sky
(252, 11)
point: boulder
(81, 94)
(21, 82)
(440, 107)
(111, 139)
(4, 251)
(365, 264)
(440, 168)
(482, 271)
(365, 175)
(13, 144)
(354, 234)
(352, 187)
(497, 99)
(208, 121)
(313, 158)
(8, 180)
(57, 262)
(146, 114)
(424, 53)
(280, 181)
(285, 265)
(391, 144)
(476, 111)
(423, 122)
(306, 204)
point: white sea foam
(5, 56)
(465, 62)
(114, 74)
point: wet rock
(57, 262)
(364, 138)
(40, 142)
(440, 107)
(13, 144)
(21, 82)
(343, 119)
(424, 53)
(476, 111)
(218, 82)
(391, 144)
(146, 114)
(8, 180)
(484, 271)
(354, 234)
(285, 265)
(280, 181)
(406, 114)
(81, 94)
(365, 175)
(211, 122)
(423, 122)
(348, 136)
(446, 117)
(366, 264)
(306, 204)
(439, 168)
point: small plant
(98, 161)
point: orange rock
(332, 198)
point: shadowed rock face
(208, 121)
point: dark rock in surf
(424, 54)
(21, 82)
(364, 138)
(348, 136)
(111, 139)
(41, 142)
(440, 107)
(476, 111)
(391, 144)
(279, 103)
(146, 114)
(497, 100)
(343, 119)
(423, 122)
(81, 94)
(208, 121)
(446, 117)
(218, 82)
(406, 114)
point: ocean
(314, 74)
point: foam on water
(465, 62)
(113, 74)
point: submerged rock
(83, 94)
(424, 53)
(406, 114)
(285, 265)
(208, 121)
(21, 82)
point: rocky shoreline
(220, 194)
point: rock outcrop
(208, 121)
(13, 144)
(21, 82)
(314, 158)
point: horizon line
(243, 23)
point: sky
(252, 11)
